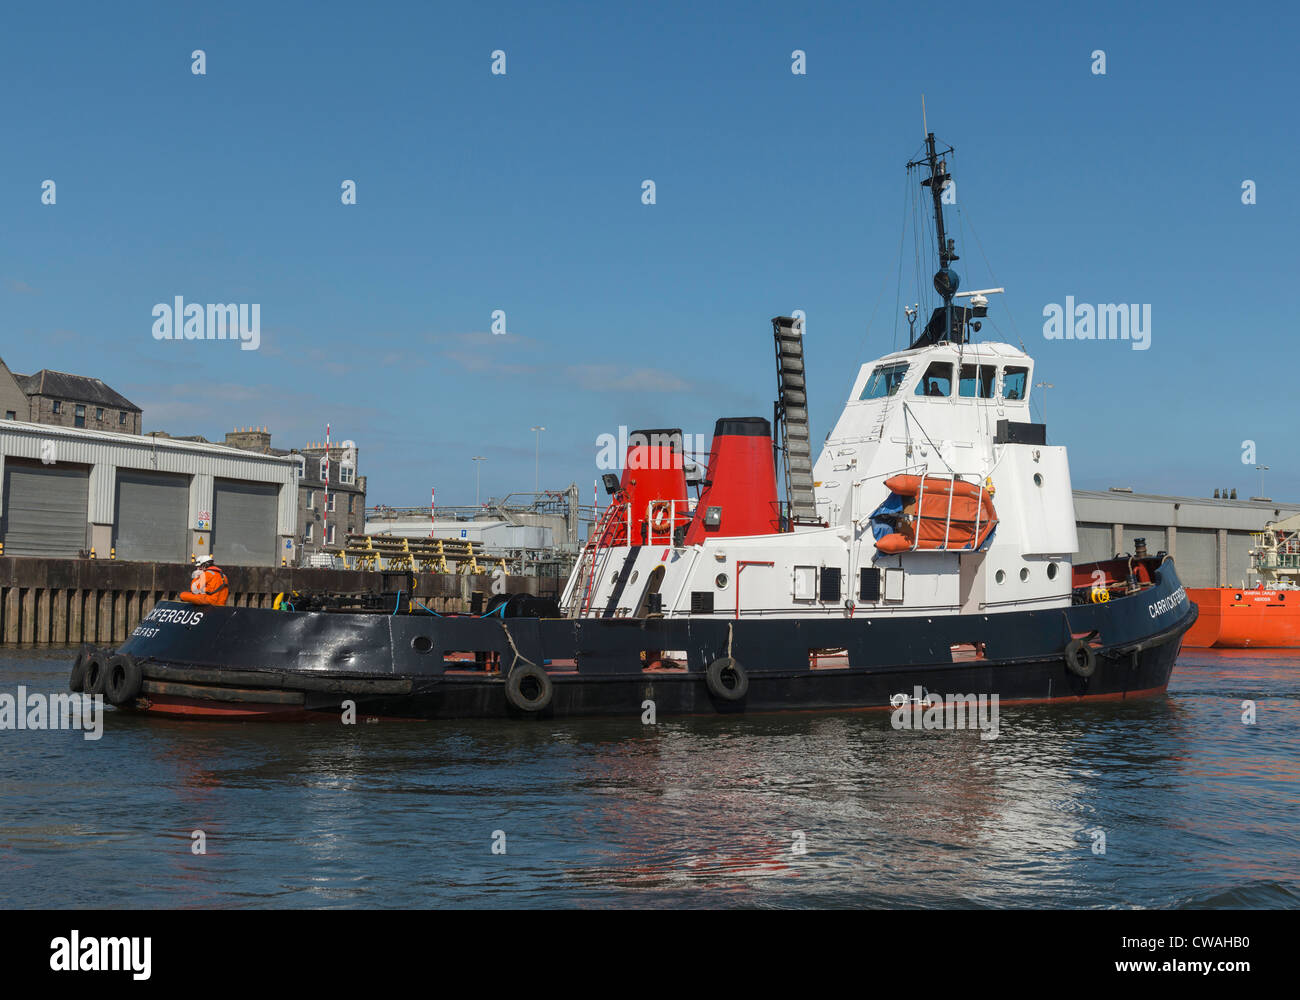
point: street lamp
(477, 468)
(1261, 469)
(537, 461)
(1044, 385)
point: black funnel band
(663, 437)
(743, 427)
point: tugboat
(928, 547)
(1266, 616)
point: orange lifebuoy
(660, 518)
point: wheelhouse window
(884, 381)
(978, 380)
(1015, 380)
(937, 380)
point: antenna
(946, 280)
(924, 129)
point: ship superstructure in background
(1266, 616)
(927, 549)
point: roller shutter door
(1239, 571)
(45, 509)
(152, 516)
(1197, 557)
(1094, 543)
(243, 522)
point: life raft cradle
(970, 497)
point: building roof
(80, 388)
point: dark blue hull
(242, 662)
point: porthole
(1038, 479)
(1051, 571)
(721, 580)
(1024, 574)
(1001, 576)
(422, 644)
(635, 574)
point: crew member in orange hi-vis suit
(208, 584)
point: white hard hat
(204, 560)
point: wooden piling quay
(68, 601)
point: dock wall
(62, 601)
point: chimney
(740, 495)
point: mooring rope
(518, 655)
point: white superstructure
(932, 411)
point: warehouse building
(331, 495)
(66, 492)
(1210, 539)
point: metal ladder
(589, 562)
(792, 419)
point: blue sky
(522, 193)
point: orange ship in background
(1267, 616)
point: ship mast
(946, 280)
(936, 182)
(947, 322)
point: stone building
(63, 400)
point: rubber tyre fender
(1080, 658)
(713, 677)
(77, 679)
(96, 672)
(122, 679)
(515, 688)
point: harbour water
(1197, 808)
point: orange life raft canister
(939, 513)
